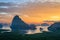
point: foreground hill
(40, 36)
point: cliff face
(1, 25)
(17, 24)
(55, 27)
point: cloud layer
(32, 9)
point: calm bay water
(44, 28)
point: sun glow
(55, 18)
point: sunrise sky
(30, 11)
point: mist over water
(37, 30)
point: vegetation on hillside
(39, 36)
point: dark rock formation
(55, 27)
(1, 25)
(32, 27)
(44, 24)
(17, 24)
(41, 29)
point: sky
(21, 1)
(18, 1)
(30, 11)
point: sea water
(37, 30)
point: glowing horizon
(30, 11)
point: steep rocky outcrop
(32, 27)
(55, 27)
(1, 25)
(18, 25)
(44, 24)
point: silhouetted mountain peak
(16, 17)
(55, 27)
(18, 24)
(44, 24)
